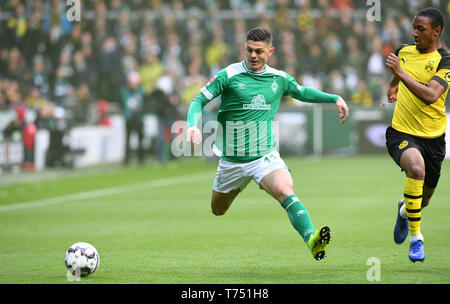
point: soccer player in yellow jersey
(416, 139)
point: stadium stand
(57, 74)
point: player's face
(257, 54)
(424, 34)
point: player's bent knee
(284, 192)
(416, 172)
(217, 211)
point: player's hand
(392, 93)
(393, 63)
(393, 89)
(194, 135)
(342, 109)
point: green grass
(167, 234)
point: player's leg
(230, 179)
(220, 202)
(414, 165)
(435, 154)
(427, 194)
(279, 185)
(140, 134)
(127, 143)
(405, 152)
(402, 220)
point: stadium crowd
(52, 68)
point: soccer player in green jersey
(251, 92)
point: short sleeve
(443, 70)
(397, 50)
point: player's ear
(271, 50)
(438, 30)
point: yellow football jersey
(411, 115)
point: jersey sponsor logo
(403, 144)
(211, 80)
(447, 76)
(274, 86)
(219, 180)
(258, 103)
(241, 86)
(429, 67)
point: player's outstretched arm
(193, 133)
(342, 109)
(315, 96)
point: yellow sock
(413, 198)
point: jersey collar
(251, 72)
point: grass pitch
(154, 225)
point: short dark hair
(260, 34)
(434, 15)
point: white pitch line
(106, 191)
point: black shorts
(432, 150)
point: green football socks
(299, 216)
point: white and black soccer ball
(82, 259)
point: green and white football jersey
(250, 101)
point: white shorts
(231, 176)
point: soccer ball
(82, 259)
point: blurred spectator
(126, 31)
(216, 49)
(46, 61)
(343, 4)
(150, 71)
(35, 100)
(28, 135)
(311, 81)
(82, 106)
(375, 65)
(82, 72)
(39, 76)
(336, 83)
(17, 67)
(362, 95)
(109, 70)
(148, 41)
(305, 19)
(17, 25)
(55, 22)
(57, 126)
(62, 86)
(165, 108)
(132, 108)
(103, 118)
(194, 81)
(8, 116)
